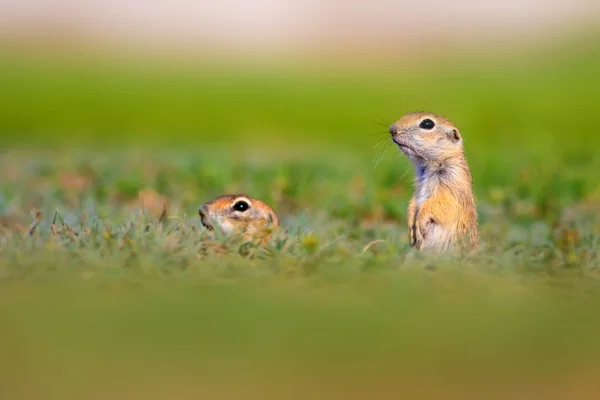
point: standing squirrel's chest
(425, 189)
(421, 196)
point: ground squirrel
(241, 214)
(441, 214)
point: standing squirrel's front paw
(419, 238)
(412, 240)
(421, 229)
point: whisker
(373, 141)
(370, 136)
(383, 120)
(379, 156)
(408, 167)
(380, 141)
(405, 172)
(381, 123)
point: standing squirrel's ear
(453, 135)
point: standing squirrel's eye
(240, 206)
(427, 124)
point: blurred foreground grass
(100, 297)
(404, 333)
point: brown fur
(257, 223)
(442, 213)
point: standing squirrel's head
(426, 137)
(238, 213)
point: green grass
(98, 295)
(540, 99)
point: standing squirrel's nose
(393, 129)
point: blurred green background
(98, 297)
(526, 114)
(537, 97)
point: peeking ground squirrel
(240, 214)
(441, 213)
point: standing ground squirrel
(241, 214)
(441, 214)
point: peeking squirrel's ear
(453, 135)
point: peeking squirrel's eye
(427, 124)
(240, 206)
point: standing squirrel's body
(240, 214)
(441, 214)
